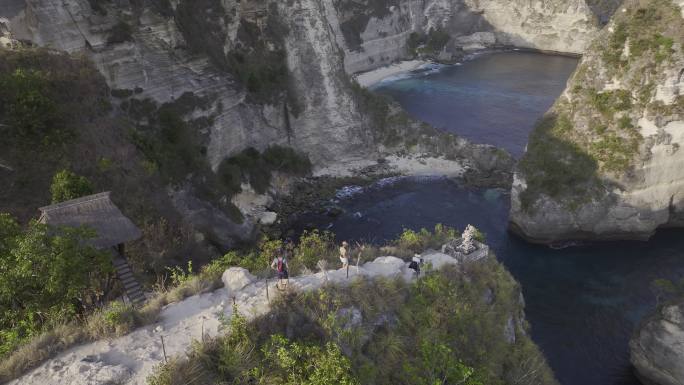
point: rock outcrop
(181, 324)
(605, 162)
(163, 53)
(273, 72)
(376, 33)
(657, 347)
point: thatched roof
(97, 212)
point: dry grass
(115, 320)
(44, 346)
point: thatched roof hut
(97, 212)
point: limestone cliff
(276, 72)
(378, 32)
(657, 348)
(183, 46)
(605, 163)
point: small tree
(26, 105)
(304, 364)
(46, 276)
(437, 364)
(313, 246)
(66, 185)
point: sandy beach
(367, 79)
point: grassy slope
(402, 327)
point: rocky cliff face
(657, 348)
(378, 32)
(605, 163)
(275, 71)
(168, 49)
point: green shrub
(326, 365)
(179, 276)
(556, 166)
(436, 40)
(412, 240)
(28, 106)
(479, 236)
(45, 97)
(314, 246)
(287, 160)
(416, 241)
(268, 250)
(254, 167)
(431, 43)
(116, 319)
(46, 277)
(66, 186)
(440, 329)
(169, 142)
(121, 32)
(413, 41)
(230, 176)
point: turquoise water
(493, 99)
(582, 302)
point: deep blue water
(582, 302)
(494, 99)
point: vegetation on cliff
(355, 15)
(457, 325)
(46, 278)
(592, 130)
(430, 44)
(257, 57)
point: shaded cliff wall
(205, 48)
(375, 32)
(606, 162)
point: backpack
(281, 264)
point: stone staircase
(131, 285)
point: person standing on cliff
(279, 264)
(344, 250)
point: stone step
(130, 283)
(125, 275)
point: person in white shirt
(344, 250)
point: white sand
(367, 79)
(131, 358)
(415, 165)
(410, 165)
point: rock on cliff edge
(605, 162)
(657, 348)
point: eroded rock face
(167, 54)
(163, 51)
(375, 33)
(657, 348)
(606, 161)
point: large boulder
(236, 278)
(657, 348)
(385, 266)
